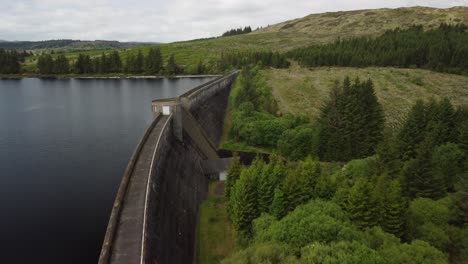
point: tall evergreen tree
(266, 187)
(310, 172)
(171, 67)
(243, 202)
(413, 131)
(139, 61)
(45, 64)
(115, 62)
(418, 176)
(394, 209)
(360, 204)
(463, 136)
(295, 188)
(447, 164)
(351, 122)
(10, 61)
(61, 65)
(278, 205)
(83, 64)
(153, 62)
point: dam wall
(156, 209)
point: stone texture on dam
(211, 115)
(155, 213)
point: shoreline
(76, 76)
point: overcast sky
(164, 20)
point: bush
(343, 252)
(264, 253)
(298, 143)
(262, 133)
(317, 221)
(418, 252)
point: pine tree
(441, 123)
(171, 67)
(310, 172)
(360, 204)
(394, 209)
(279, 171)
(295, 189)
(351, 122)
(233, 174)
(447, 164)
(418, 177)
(463, 136)
(61, 65)
(153, 61)
(45, 64)
(413, 131)
(83, 64)
(115, 62)
(278, 205)
(103, 64)
(266, 187)
(130, 63)
(243, 202)
(139, 62)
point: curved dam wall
(155, 213)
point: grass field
(303, 91)
(215, 234)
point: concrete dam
(154, 216)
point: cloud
(163, 21)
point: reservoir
(64, 145)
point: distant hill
(327, 27)
(315, 29)
(69, 44)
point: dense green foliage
(240, 59)
(403, 192)
(254, 119)
(10, 61)
(351, 122)
(442, 49)
(350, 125)
(237, 31)
(47, 65)
(138, 63)
(427, 148)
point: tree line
(10, 61)
(237, 31)
(443, 49)
(138, 63)
(239, 59)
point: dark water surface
(64, 145)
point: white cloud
(163, 21)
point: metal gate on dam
(154, 215)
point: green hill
(312, 29)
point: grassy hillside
(312, 29)
(315, 29)
(327, 27)
(300, 90)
